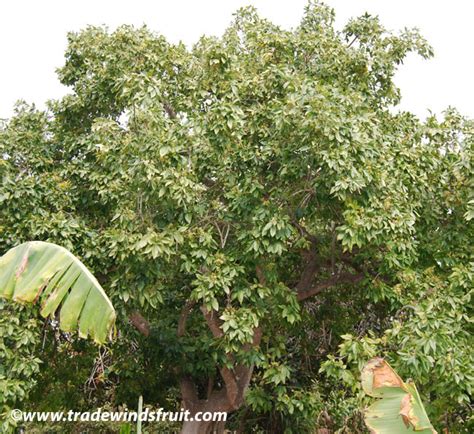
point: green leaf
(399, 408)
(38, 271)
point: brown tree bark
(216, 402)
(227, 399)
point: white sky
(33, 40)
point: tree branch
(235, 383)
(210, 386)
(188, 392)
(332, 281)
(213, 322)
(260, 275)
(140, 323)
(169, 110)
(353, 40)
(303, 231)
(232, 388)
(244, 373)
(310, 269)
(187, 308)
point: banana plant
(398, 409)
(45, 273)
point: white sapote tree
(264, 206)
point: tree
(248, 201)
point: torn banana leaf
(398, 408)
(51, 275)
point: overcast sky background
(33, 40)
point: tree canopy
(260, 209)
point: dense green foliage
(266, 177)
(20, 334)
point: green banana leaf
(398, 409)
(42, 272)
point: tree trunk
(202, 427)
(227, 399)
(216, 403)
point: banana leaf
(398, 408)
(40, 272)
